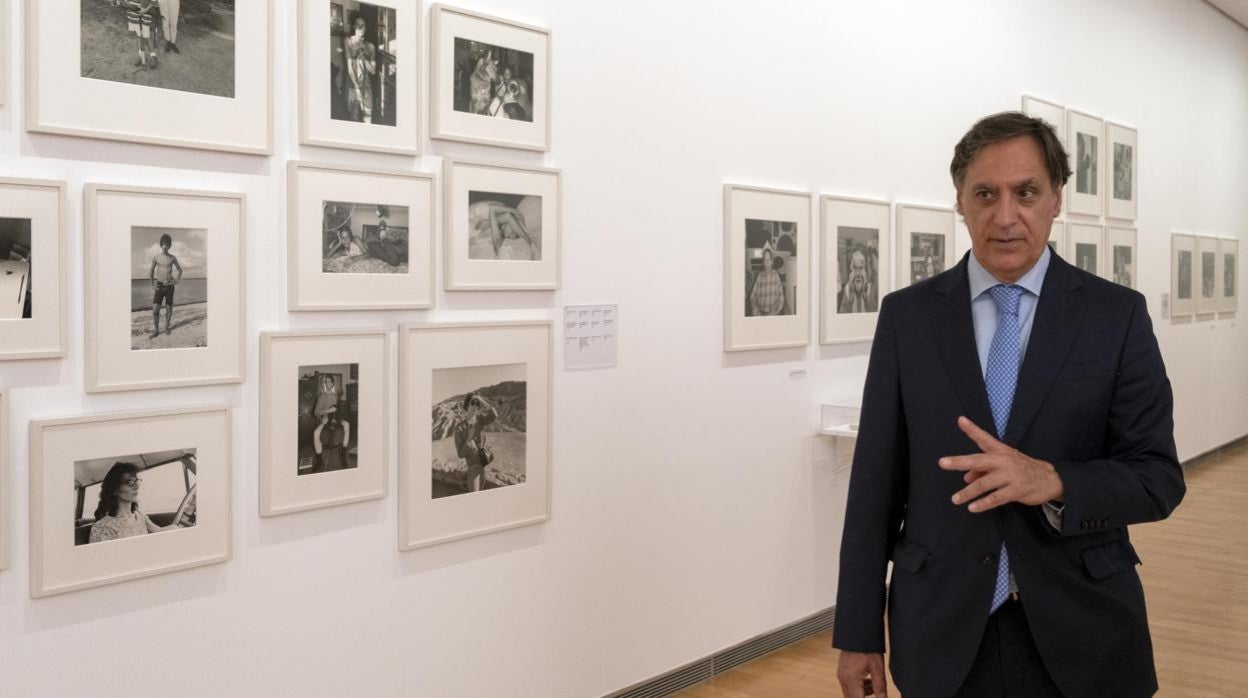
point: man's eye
(982, 194)
(1026, 194)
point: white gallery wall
(692, 504)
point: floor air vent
(679, 679)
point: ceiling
(1236, 9)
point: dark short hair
(166, 238)
(1002, 127)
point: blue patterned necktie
(1001, 377)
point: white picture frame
(6, 518)
(206, 347)
(498, 232)
(1228, 275)
(925, 242)
(1206, 279)
(1086, 242)
(440, 364)
(759, 221)
(1086, 196)
(462, 110)
(33, 217)
(318, 277)
(291, 478)
(1057, 238)
(75, 453)
(4, 55)
(1183, 275)
(385, 126)
(1122, 259)
(1122, 172)
(856, 252)
(1052, 113)
(226, 106)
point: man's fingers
(986, 442)
(879, 678)
(977, 489)
(973, 475)
(978, 461)
(992, 500)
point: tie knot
(1006, 298)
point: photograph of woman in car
(118, 514)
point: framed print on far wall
(1057, 238)
(336, 451)
(1122, 152)
(854, 274)
(368, 98)
(1183, 270)
(358, 238)
(194, 79)
(481, 392)
(1206, 280)
(1087, 243)
(925, 244)
(502, 229)
(1121, 260)
(115, 497)
(766, 268)
(33, 269)
(1087, 155)
(165, 297)
(1228, 275)
(6, 519)
(491, 80)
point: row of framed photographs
(150, 491)
(1091, 142)
(203, 75)
(766, 270)
(164, 269)
(1204, 275)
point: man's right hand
(856, 667)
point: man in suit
(1016, 418)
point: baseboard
(1215, 452)
(695, 672)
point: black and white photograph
(1208, 277)
(363, 238)
(1124, 265)
(134, 495)
(168, 288)
(185, 45)
(15, 268)
(504, 227)
(771, 258)
(480, 428)
(1085, 256)
(1228, 275)
(1185, 274)
(363, 63)
(1123, 171)
(1086, 164)
(493, 81)
(927, 255)
(858, 267)
(329, 428)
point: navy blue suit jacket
(1092, 399)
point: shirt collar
(981, 279)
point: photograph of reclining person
(359, 238)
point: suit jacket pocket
(909, 556)
(1106, 559)
(1085, 369)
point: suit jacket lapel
(955, 340)
(1058, 314)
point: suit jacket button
(1083, 525)
(987, 559)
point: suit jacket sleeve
(1141, 479)
(877, 496)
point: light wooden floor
(1195, 575)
